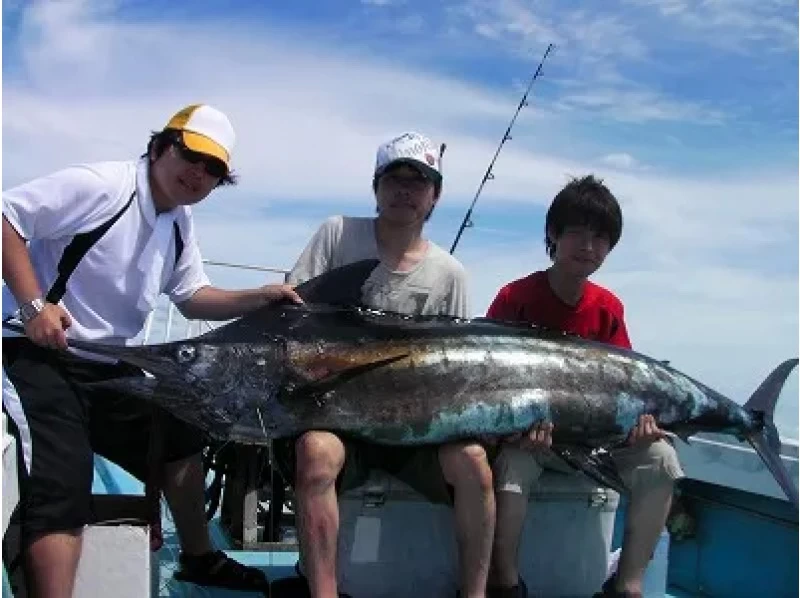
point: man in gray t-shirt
(435, 285)
(416, 277)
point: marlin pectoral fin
(598, 467)
(304, 386)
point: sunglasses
(214, 167)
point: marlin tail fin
(766, 441)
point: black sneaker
(518, 591)
(216, 569)
(294, 587)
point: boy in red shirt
(582, 226)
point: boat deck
(745, 544)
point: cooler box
(394, 543)
(115, 561)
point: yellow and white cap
(205, 130)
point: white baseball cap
(205, 130)
(413, 149)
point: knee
(56, 501)
(665, 458)
(466, 465)
(658, 471)
(319, 458)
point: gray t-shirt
(435, 286)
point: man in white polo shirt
(86, 253)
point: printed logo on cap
(411, 146)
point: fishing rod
(467, 222)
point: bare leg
(512, 507)
(515, 471)
(467, 469)
(646, 516)
(52, 561)
(320, 458)
(184, 486)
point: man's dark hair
(160, 142)
(583, 202)
(437, 185)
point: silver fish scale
(475, 385)
(469, 385)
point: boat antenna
(489, 175)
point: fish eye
(186, 353)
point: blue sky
(688, 110)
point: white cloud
(736, 25)
(601, 36)
(610, 48)
(630, 103)
(590, 45)
(309, 117)
(620, 160)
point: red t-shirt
(598, 315)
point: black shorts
(418, 467)
(67, 423)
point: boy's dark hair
(160, 142)
(584, 202)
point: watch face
(30, 309)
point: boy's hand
(539, 437)
(646, 431)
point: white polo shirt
(103, 293)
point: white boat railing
(170, 314)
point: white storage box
(567, 536)
(115, 561)
(394, 543)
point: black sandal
(518, 591)
(217, 569)
(609, 590)
(294, 587)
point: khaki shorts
(642, 468)
(418, 467)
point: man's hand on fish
(646, 431)
(47, 327)
(274, 293)
(539, 437)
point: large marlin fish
(402, 380)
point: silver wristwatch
(30, 309)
